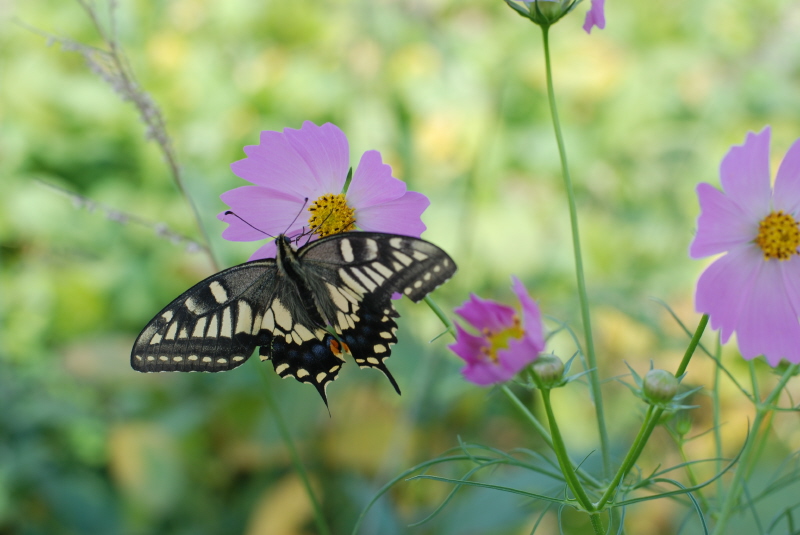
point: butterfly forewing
(212, 326)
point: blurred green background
(452, 94)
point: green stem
(594, 377)
(441, 315)
(542, 432)
(735, 489)
(322, 526)
(717, 409)
(563, 457)
(651, 419)
(567, 468)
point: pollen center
(330, 214)
(499, 340)
(778, 236)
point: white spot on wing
(183, 333)
(303, 333)
(379, 348)
(419, 256)
(172, 331)
(227, 323)
(206, 359)
(347, 250)
(371, 249)
(302, 372)
(155, 339)
(405, 259)
(213, 330)
(396, 242)
(321, 376)
(377, 278)
(268, 323)
(351, 282)
(339, 300)
(386, 335)
(200, 328)
(383, 270)
(418, 284)
(238, 359)
(244, 318)
(373, 360)
(282, 316)
(364, 279)
(281, 368)
(167, 315)
(191, 305)
(218, 291)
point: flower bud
(659, 386)
(548, 371)
(547, 12)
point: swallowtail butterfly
(291, 305)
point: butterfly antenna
(305, 202)
(234, 214)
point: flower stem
(594, 377)
(651, 419)
(763, 410)
(542, 432)
(322, 526)
(567, 469)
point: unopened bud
(548, 370)
(659, 386)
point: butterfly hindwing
(210, 327)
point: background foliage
(452, 94)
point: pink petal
(373, 182)
(401, 216)
(468, 346)
(325, 151)
(276, 163)
(721, 226)
(724, 287)
(520, 353)
(745, 177)
(486, 314)
(268, 250)
(531, 316)
(768, 324)
(787, 183)
(486, 373)
(791, 280)
(595, 16)
(269, 211)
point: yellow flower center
(331, 215)
(778, 236)
(500, 339)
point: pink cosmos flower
(754, 288)
(299, 176)
(506, 344)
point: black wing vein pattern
(306, 309)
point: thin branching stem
(594, 376)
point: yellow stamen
(500, 339)
(778, 236)
(330, 214)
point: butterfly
(305, 309)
